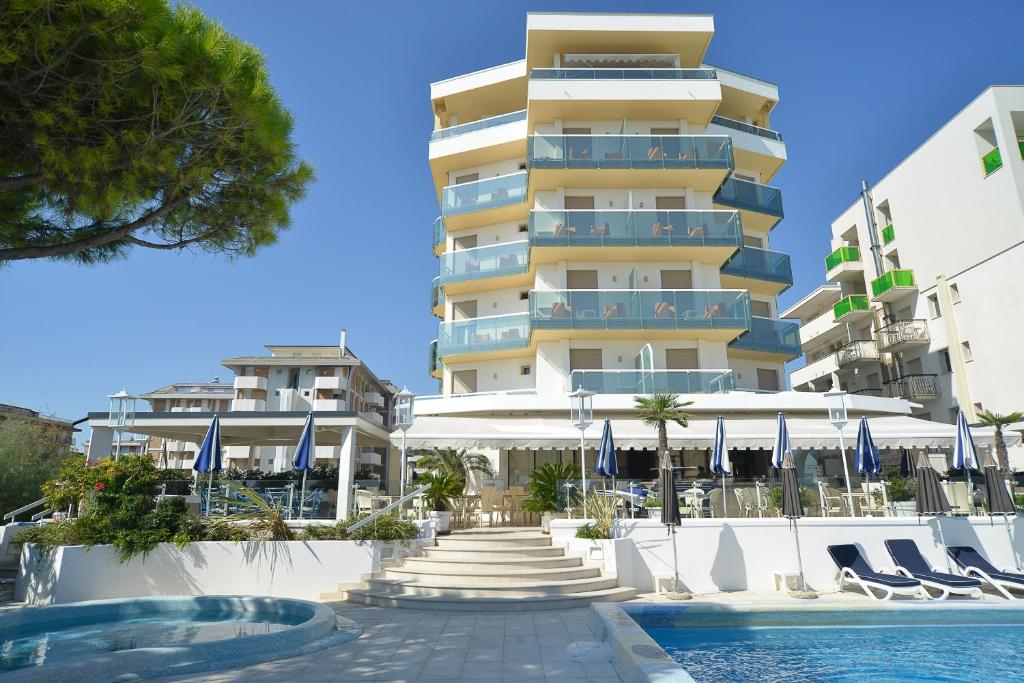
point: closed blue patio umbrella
(607, 464)
(720, 460)
(866, 458)
(305, 456)
(208, 459)
(781, 446)
(965, 455)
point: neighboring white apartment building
(927, 271)
(185, 397)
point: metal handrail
(24, 508)
(39, 515)
(401, 501)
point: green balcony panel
(992, 161)
(771, 336)
(888, 234)
(761, 264)
(892, 279)
(654, 381)
(638, 309)
(850, 304)
(840, 256)
(750, 196)
(639, 228)
(1020, 147)
(489, 193)
(630, 151)
(481, 335)
(496, 260)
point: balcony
(706, 236)
(768, 335)
(623, 161)
(654, 381)
(482, 124)
(850, 308)
(902, 335)
(766, 133)
(490, 262)
(330, 383)
(762, 271)
(844, 264)
(248, 405)
(374, 398)
(372, 416)
(250, 382)
(760, 205)
(434, 363)
(888, 234)
(440, 236)
(333, 405)
(813, 371)
(477, 143)
(709, 314)
(756, 148)
(992, 161)
(893, 285)
(436, 297)
(857, 353)
(624, 74)
(495, 334)
(913, 388)
(492, 197)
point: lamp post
(121, 416)
(581, 412)
(404, 417)
(835, 401)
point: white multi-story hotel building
(926, 273)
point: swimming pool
(911, 643)
(148, 637)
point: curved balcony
(482, 124)
(755, 148)
(494, 261)
(440, 235)
(436, 298)
(768, 335)
(484, 335)
(762, 271)
(760, 205)
(433, 362)
(652, 381)
(494, 196)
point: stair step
(476, 562)
(502, 542)
(506, 603)
(493, 553)
(463, 574)
(448, 589)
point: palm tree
(456, 461)
(997, 422)
(658, 410)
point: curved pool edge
(324, 628)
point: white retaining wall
(742, 554)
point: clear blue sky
(861, 86)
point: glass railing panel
(888, 234)
(489, 193)
(624, 74)
(840, 256)
(482, 262)
(772, 336)
(435, 293)
(489, 122)
(635, 228)
(654, 381)
(747, 128)
(432, 353)
(744, 194)
(850, 304)
(894, 278)
(640, 309)
(992, 161)
(478, 335)
(630, 151)
(760, 264)
(440, 234)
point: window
(524, 296)
(524, 228)
(947, 364)
(761, 309)
(752, 241)
(584, 359)
(965, 348)
(468, 178)
(681, 359)
(293, 378)
(954, 294)
(524, 370)
(988, 148)
(767, 379)
(933, 306)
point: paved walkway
(421, 645)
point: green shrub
(325, 532)
(775, 497)
(29, 455)
(387, 527)
(591, 531)
(547, 488)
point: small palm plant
(997, 422)
(657, 410)
(443, 486)
(456, 461)
(547, 487)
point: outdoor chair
(831, 503)
(492, 504)
(715, 507)
(693, 501)
(973, 564)
(364, 502)
(959, 498)
(910, 563)
(853, 568)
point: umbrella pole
(1009, 537)
(799, 558)
(675, 558)
(942, 540)
(725, 500)
(302, 494)
(209, 491)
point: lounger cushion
(966, 556)
(847, 556)
(890, 580)
(905, 554)
(948, 580)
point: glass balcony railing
(751, 196)
(489, 122)
(771, 336)
(893, 279)
(992, 161)
(435, 293)
(480, 335)
(747, 128)
(654, 381)
(638, 309)
(440, 234)
(850, 304)
(624, 74)
(760, 264)
(888, 234)
(840, 256)
(489, 193)
(496, 260)
(641, 228)
(630, 151)
(433, 363)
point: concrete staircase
(505, 569)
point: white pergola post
(346, 471)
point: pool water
(64, 640)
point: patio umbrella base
(676, 595)
(803, 595)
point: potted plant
(901, 492)
(653, 506)
(443, 486)
(548, 494)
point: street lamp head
(581, 408)
(835, 402)
(404, 403)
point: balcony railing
(630, 151)
(851, 304)
(489, 193)
(624, 74)
(637, 228)
(636, 309)
(440, 234)
(888, 234)
(751, 196)
(902, 278)
(912, 387)
(433, 364)
(747, 128)
(654, 381)
(840, 256)
(903, 332)
(472, 126)
(479, 335)
(856, 351)
(508, 258)
(760, 264)
(435, 293)
(771, 336)
(992, 161)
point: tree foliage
(456, 461)
(130, 123)
(30, 454)
(997, 422)
(657, 410)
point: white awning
(891, 431)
